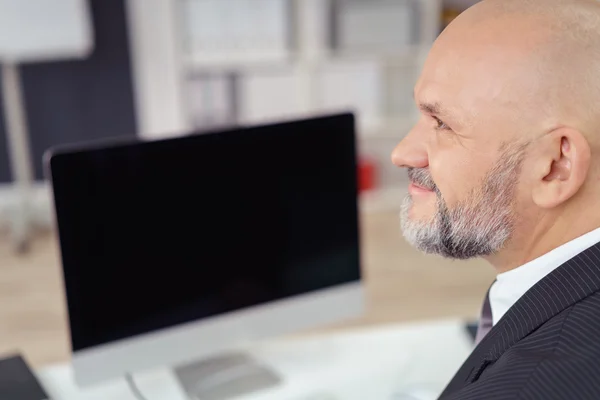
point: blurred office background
(162, 68)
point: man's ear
(561, 166)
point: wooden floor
(402, 285)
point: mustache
(422, 177)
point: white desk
(367, 363)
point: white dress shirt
(511, 285)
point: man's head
(510, 105)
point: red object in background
(367, 171)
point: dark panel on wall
(74, 101)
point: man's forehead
(475, 63)
(467, 85)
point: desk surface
(365, 363)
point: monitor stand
(224, 377)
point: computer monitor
(183, 248)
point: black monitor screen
(155, 234)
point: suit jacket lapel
(571, 282)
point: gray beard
(480, 225)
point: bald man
(504, 164)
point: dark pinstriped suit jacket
(547, 346)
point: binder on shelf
(269, 96)
(211, 100)
(352, 85)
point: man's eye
(440, 124)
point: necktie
(485, 320)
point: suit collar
(510, 286)
(573, 281)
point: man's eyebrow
(431, 108)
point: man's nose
(411, 152)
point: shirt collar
(511, 285)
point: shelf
(227, 62)
(406, 57)
(252, 61)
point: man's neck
(548, 234)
